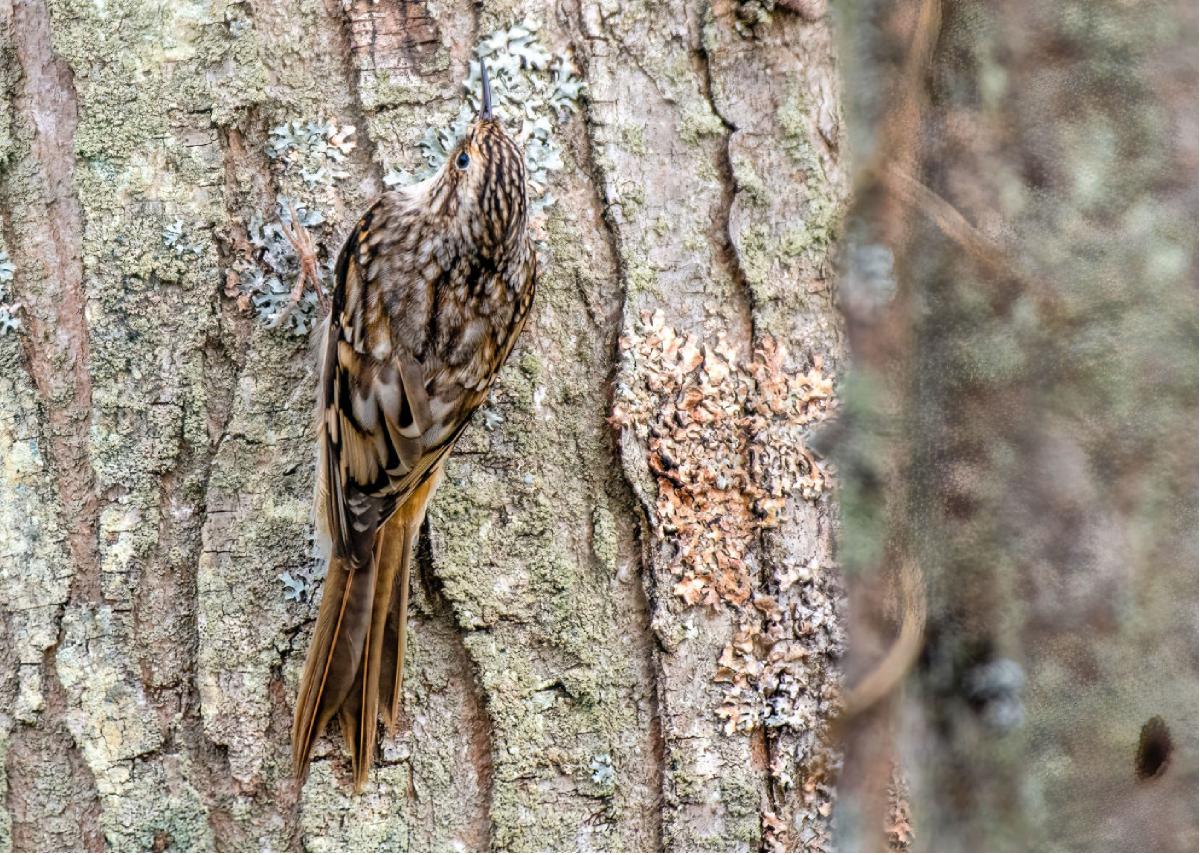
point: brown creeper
(431, 290)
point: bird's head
(482, 184)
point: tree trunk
(590, 567)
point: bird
(430, 292)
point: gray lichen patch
(267, 271)
(8, 309)
(533, 90)
(308, 158)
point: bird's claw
(302, 243)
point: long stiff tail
(334, 654)
(357, 650)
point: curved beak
(485, 108)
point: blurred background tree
(1020, 292)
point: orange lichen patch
(771, 680)
(723, 442)
(723, 434)
(775, 837)
(743, 706)
(899, 828)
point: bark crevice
(56, 346)
(727, 252)
(475, 716)
(627, 488)
(46, 771)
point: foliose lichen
(529, 84)
(301, 583)
(603, 772)
(724, 438)
(266, 273)
(9, 322)
(267, 270)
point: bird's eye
(463, 160)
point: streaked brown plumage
(432, 289)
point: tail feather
(396, 629)
(350, 719)
(357, 652)
(334, 653)
(391, 675)
(363, 702)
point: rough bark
(157, 452)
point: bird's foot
(306, 252)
